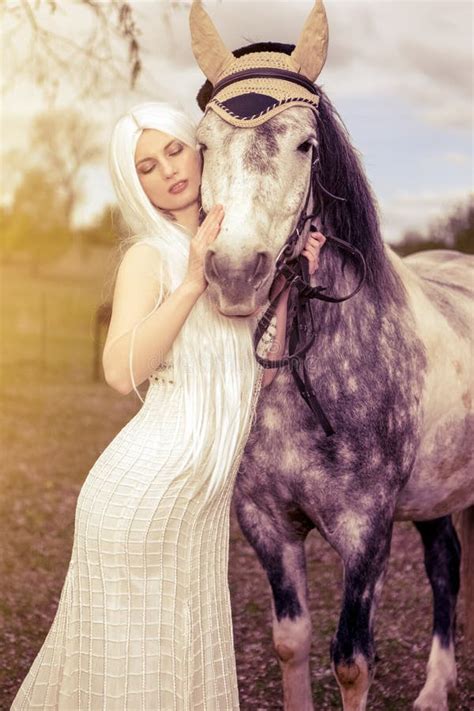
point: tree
(92, 46)
(64, 142)
(37, 43)
(453, 231)
(35, 227)
(457, 228)
(105, 230)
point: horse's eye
(305, 147)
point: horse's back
(445, 267)
(441, 286)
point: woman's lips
(179, 187)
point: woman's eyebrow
(150, 157)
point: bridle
(295, 272)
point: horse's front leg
(442, 562)
(279, 543)
(352, 648)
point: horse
(391, 367)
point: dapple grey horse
(391, 367)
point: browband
(262, 73)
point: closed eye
(147, 168)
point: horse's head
(261, 175)
(257, 138)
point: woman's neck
(188, 217)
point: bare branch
(92, 63)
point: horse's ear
(204, 95)
(311, 49)
(209, 50)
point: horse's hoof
(431, 702)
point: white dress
(144, 618)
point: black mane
(340, 172)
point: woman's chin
(181, 201)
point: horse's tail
(466, 529)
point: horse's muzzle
(238, 289)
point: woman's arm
(135, 296)
(311, 252)
(277, 348)
(141, 330)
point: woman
(144, 618)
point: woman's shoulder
(146, 240)
(144, 250)
(139, 259)
(142, 264)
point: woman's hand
(312, 248)
(311, 251)
(205, 235)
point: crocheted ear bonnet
(251, 89)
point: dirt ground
(50, 436)
(402, 631)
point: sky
(398, 72)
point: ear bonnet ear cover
(250, 89)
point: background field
(56, 421)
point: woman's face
(168, 169)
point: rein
(295, 271)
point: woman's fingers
(312, 248)
(210, 227)
(313, 262)
(317, 239)
(212, 219)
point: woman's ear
(204, 95)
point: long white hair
(212, 356)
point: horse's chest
(278, 440)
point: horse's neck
(381, 299)
(366, 358)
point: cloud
(457, 158)
(383, 55)
(415, 211)
(419, 50)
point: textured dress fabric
(144, 617)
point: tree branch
(55, 56)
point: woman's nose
(168, 169)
